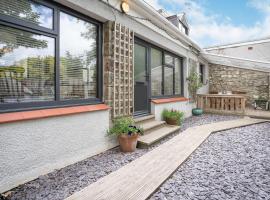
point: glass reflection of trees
(26, 66)
(78, 63)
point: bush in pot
(173, 117)
(194, 83)
(126, 132)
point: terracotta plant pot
(171, 121)
(128, 143)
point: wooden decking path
(141, 177)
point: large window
(49, 56)
(166, 73)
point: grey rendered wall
(31, 148)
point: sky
(216, 22)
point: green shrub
(173, 114)
(124, 125)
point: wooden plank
(141, 177)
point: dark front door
(141, 87)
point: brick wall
(254, 83)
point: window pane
(27, 66)
(156, 72)
(177, 76)
(168, 80)
(28, 11)
(78, 62)
(169, 59)
(202, 73)
(140, 63)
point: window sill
(45, 113)
(169, 100)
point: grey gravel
(64, 182)
(232, 164)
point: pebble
(61, 183)
(233, 163)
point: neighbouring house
(67, 68)
(258, 49)
(242, 67)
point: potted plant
(173, 117)
(194, 83)
(126, 132)
(261, 103)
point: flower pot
(197, 111)
(128, 143)
(171, 121)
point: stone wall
(253, 83)
(118, 69)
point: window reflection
(27, 66)
(168, 80)
(156, 72)
(29, 11)
(169, 60)
(78, 58)
(177, 76)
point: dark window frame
(163, 51)
(54, 33)
(202, 73)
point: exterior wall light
(125, 6)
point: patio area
(71, 179)
(82, 82)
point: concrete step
(149, 125)
(156, 135)
(144, 118)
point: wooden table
(222, 103)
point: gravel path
(64, 182)
(232, 164)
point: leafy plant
(173, 114)
(194, 83)
(124, 126)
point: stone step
(149, 125)
(156, 135)
(144, 118)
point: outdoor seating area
(222, 103)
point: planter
(197, 111)
(128, 143)
(261, 103)
(171, 121)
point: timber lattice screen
(118, 55)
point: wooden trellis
(119, 44)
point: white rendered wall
(35, 147)
(183, 106)
(260, 51)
